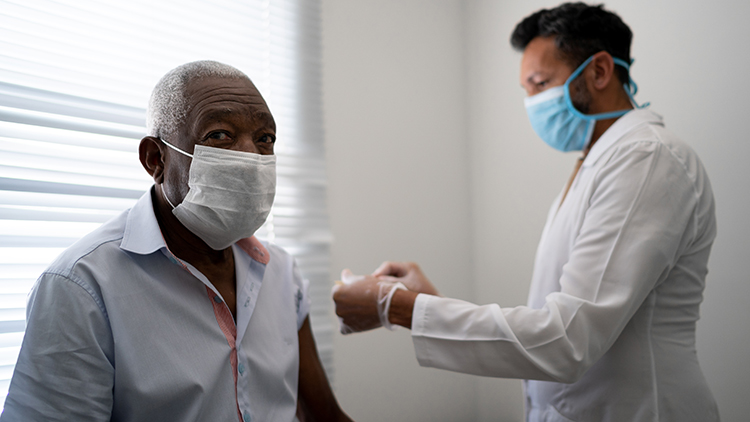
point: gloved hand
(363, 302)
(407, 273)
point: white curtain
(75, 76)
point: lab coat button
(241, 368)
(217, 299)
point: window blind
(75, 77)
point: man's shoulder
(277, 251)
(92, 248)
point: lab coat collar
(620, 128)
(143, 235)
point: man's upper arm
(316, 400)
(301, 295)
(65, 370)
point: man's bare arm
(315, 399)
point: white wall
(424, 115)
(394, 101)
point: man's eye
(541, 84)
(219, 136)
(267, 139)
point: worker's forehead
(541, 54)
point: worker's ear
(152, 157)
(602, 70)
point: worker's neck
(615, 100)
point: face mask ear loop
(164, 194)
(630, 87)
(566, 87)
(175, 148)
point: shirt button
(246, 416)
(241, 368)
(217, 299)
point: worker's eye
(542, 84)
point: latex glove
(407, 273)
(385, 295)
(363, 302)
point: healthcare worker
(608, 333)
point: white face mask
(230, 194)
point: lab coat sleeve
(65, 370)
(637, 222)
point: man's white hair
(168, 105)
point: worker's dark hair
(580, 30)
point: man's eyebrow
(207, 117)
(225, 111)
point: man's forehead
(212, 97)
(217, 88)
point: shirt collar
(143, 235)
(620, 128)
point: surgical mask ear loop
(630, 87)
(175, 148)
(181, 152)
(165, 196)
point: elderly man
(609, 330)
(173, 311)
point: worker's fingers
(390, 268)
(414, 280)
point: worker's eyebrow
(530, 77)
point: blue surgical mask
(559, 123)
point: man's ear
(150, 154)
(603, 67)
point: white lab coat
(609, 330)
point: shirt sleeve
(65, 369)
(638, 219)
(301, 295)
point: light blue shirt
(118, 329)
